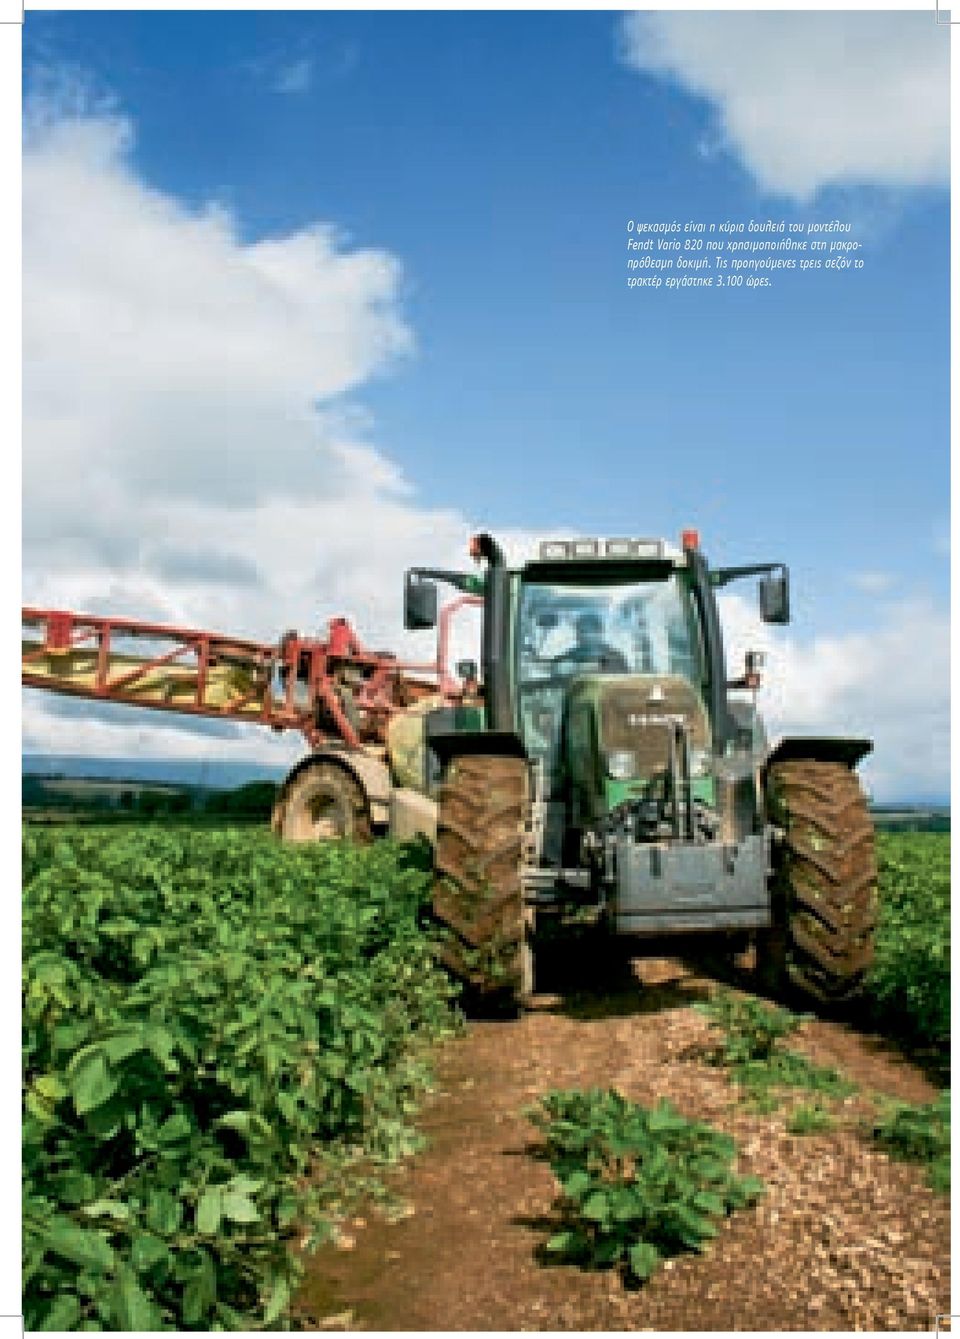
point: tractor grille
(639, 715)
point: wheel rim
(327, 816)
(320, 816)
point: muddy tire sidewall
(823, 892)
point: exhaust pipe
(496, 632)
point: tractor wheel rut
(844, 1238)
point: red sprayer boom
(329, 688)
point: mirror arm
(722, 576)
(465, 581)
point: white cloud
(873, 583)
(191, 451)
(889, 682)
(191, 456)
(811, 99)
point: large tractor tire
(321, 802)
(824, 883)
(477, 895)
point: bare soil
(844, 1238)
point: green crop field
(909, 985)
(223, 1034)
(217, 1029)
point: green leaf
(131, 1307)
(50, 1086)
(104, 1122)
(239, 1208)
(72, 1187)
(277, 1301)
(708, 1202)
(164, 1213)
(644, 1259)
(626, 1203)
(39, 1108)
(147, 1251)
(91, 1081)
(560, 1243)
(121, 1045)
(575, 1185)
(209, 1209)
(162, 1044)
(664, 1120)
(64, 1314)
(596, 1207)
(175, 1128)
(68, 1037)
(247, 1123)
(692, 1227)
(80, 1245)
(246, 1185)
(200, 1294)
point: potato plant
(637, 1184)
(215, 1027)
(919, 1134)
(752, 1048)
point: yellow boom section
(228, 687)
(147, 665)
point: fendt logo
(639, 719)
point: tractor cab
(612, 681)
(571, 626)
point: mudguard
(819, 748)
(468, 743)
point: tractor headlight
(622, 765)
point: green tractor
(610, 763)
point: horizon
(70, 765)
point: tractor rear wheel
(321, 802)
(477, 895)
(824, 883)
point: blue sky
(496, 158)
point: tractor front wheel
(477, 895)
(824, 882)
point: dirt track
(844, 1238)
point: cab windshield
(642, 627)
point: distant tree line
(912, 820)
(253, 800)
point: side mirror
(467, 670)
(419, 603)
(775, 599)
